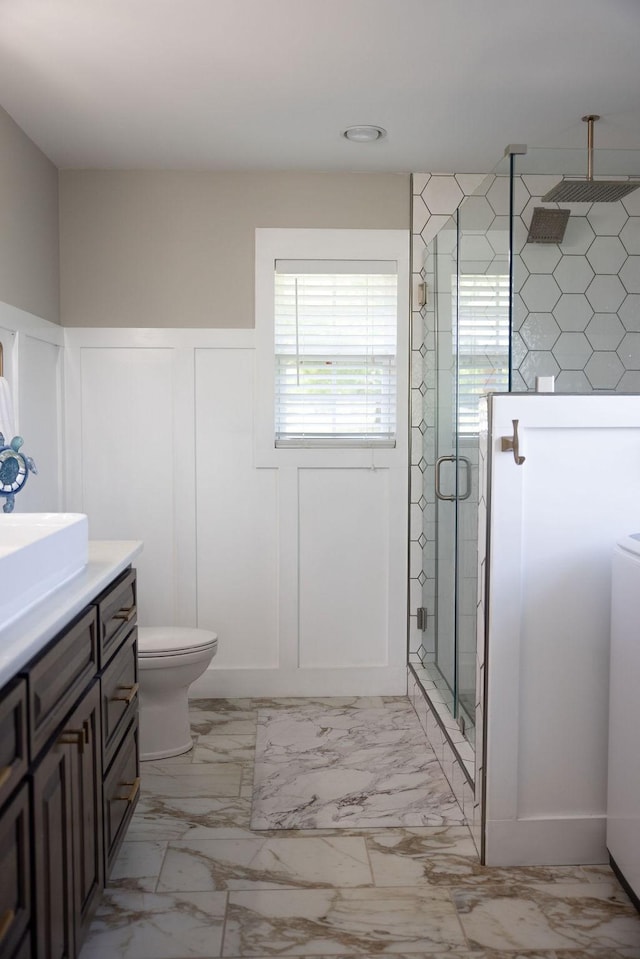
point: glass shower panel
(482, 359)
(445, 247)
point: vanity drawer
(121, 790)
(13, 737)
(15, 873)
(117, 609)
(60, 676)
(119, 695)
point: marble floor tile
(269, 863)
(139, 925)
(337, 767)
(179, 817)
(208, 719)
(449, 954)
(447, 857)
(191, 779)
(224, 748)
(138, 865)
(334, 702)
(628, 952)
(491, 954)
(194, 880)
(560, 915)
(340, 922)
(182, 758)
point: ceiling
(270, 84)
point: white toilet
(170, 658)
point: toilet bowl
(170, 658)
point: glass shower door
(445, 255)
(471, 308)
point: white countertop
(23, 638)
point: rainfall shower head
(589, 190)
(547, 225)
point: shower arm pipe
(590, 119)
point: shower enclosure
(465, 290)
(497, 307)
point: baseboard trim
(546, 842)
(219, 683)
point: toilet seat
(174, 640)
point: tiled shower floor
(193, 880)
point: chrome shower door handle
(467, 463)
(439, 462)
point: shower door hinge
(421, 614)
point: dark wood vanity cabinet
(68, 829)
(15, 873)
(69, 777)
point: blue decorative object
(14, 470)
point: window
(332, 330)
(482, 342)
(335, 326)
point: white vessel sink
(38, 553)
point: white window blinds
(335, 352)
(482, 342)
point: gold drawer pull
(6, 923)
(126, 613)
(131, 693)
(131, 795)
(5, 775)
(73, 737)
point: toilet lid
(173, 639)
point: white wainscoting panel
(129, 449)
(344, 567)
(300, 570)
(34, 366)
(237, 509)
(39, 403)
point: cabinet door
(52, 790)
(24, 949)
(15, 872)
(121, 788)
(13, 737)
(119, 696)
(83, 731)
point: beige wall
(29, 272)
(176, 249)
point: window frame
(321, 244)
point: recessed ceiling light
(364, 133)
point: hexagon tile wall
(576, 313)
(577, 305)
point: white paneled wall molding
(33, 366)
(301, 570)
